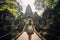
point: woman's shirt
(30, 29)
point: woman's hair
(29, 22)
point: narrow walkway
(24, 36)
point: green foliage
(39, 4)
(3, 7)
(12, 6)
(12, 3)
(51, 3)
(52, 22)
(9, 13)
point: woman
(29, 28)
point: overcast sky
(24, 3)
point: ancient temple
(28, 12)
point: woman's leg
(29, 36)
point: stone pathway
(24, 36)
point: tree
(51, 17)
(9, 13)
(51, 20)
(44, 4)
